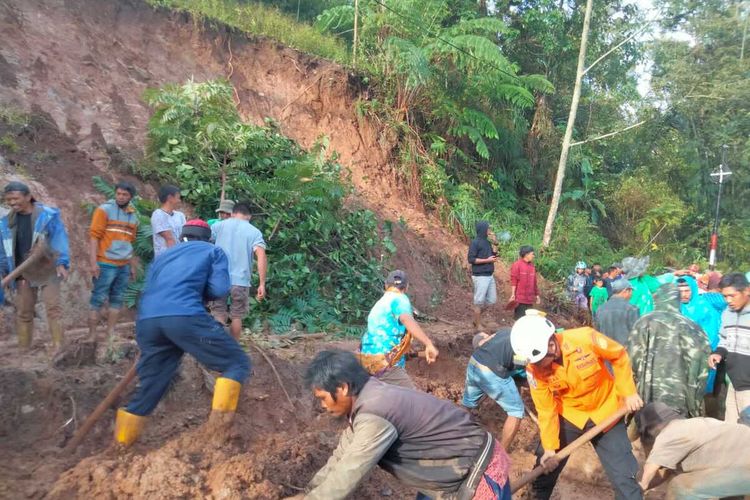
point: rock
(26, 409)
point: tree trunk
(223, 182)
(356, 32)
(555, 203)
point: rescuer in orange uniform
(573, 391)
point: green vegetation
(326, 261)
(8, 143)
(261, 20)
(478, 100)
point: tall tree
(555, 202)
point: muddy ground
(276, 446)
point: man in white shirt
(167, 221)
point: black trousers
(614, 451)
(520, 310)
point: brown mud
(273, 449)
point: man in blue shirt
(240, 240)
(172, 320)
(390, 327)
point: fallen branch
(645, 247)
(292, 487)
(85, 329)
(296, 336)
(315, 82)
(449, 322)
(626, 40)
(72, 418)
(275, 372)
(578, 143)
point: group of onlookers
(30, 226)
(523, 280)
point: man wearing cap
(573, 391)
(223, 212)
(696, 454)
(172, 320)
(489, 373)
(240, 240)
(30, 225)
(575, 284)
(616, 317)
(390, 328)
(114, 226)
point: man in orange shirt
(573, 391)
(114, 226)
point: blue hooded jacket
(707, 317)
(47, 224)
(699, 310)
(183, 278)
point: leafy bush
(644, 211)
(325, 261)
(432, 178)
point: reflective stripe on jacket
(115, 229)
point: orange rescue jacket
(581, 388)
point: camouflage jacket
(669, 353)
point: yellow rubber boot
(56, 332)
(223, 410)
(25, 331)
(128, 427)
(226, 395)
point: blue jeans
(480, 380)
(111, 284)
(163, 341)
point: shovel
(565, 452)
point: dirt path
(274, 450)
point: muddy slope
(84, 64)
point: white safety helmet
(580, 265)
(530, 335)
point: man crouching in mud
(424, 442)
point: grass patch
(8, 143)
(261, 20)
(13, 116)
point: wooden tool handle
(99, 410)
(36, 253)
(565, 452)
